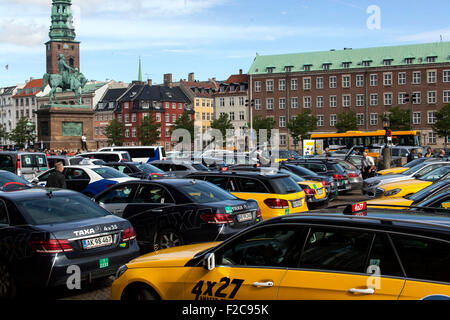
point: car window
(424, 259)
(285, 186)
(422, 194)
(395, 152)
(221, 182)
(109, 173)
(6, 163)
(123, 169)
(316, 167)
(273, 247)
(163, 166)
(382, 258)
(247, 185)
(6, 177)
(152, 194)
(178, 167)
(76, 174)
(45, 176)
(33, 161)
(148, 168)
(117, 195)
(205, 193)
(3, 214)
(336, 250)
(436, 174)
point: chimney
(168, 80)
(191, 77)
(149, 82)
(240, 71)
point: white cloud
(428, 36)
(19, 33)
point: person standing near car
(412, 155)
(429, 153)
(57, 179)
(368, 166)
(84, 143)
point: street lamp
(29, 129)
(388, 138)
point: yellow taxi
(412, 186)
(302, 257)
(398, 170)
(276, 194)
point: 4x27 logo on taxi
(218, 293)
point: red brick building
(368, 81)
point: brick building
(166, 104)
(368, 81)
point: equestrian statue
(68, 79)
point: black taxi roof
(244, 174)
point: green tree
(400, 119)
(260, 123)
(223, 124)
(442, 125)
(115, 133)
(347, 121)
(148, 132)
(185, 123)
(302, 126)
(21, 134)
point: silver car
(370, 185)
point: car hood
(405, 184)
(173, 257)
(388, 177)
(393, 171)
(391, 202)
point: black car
(9, 182)
(179, 168)
(43, 232)
(144, 171)
(168, 213)
(328, 168)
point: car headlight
(392, 192)
(121, 271)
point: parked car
(113, 156)
(352, 172)
(66, 160)
(140, 154)
(27, 165)
(168, 213)
(44, 232)
(144, 171)
(89, 180)
(9, 181)
(400, 170)
(179, 169)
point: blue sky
(213, 38)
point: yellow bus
(359, 138)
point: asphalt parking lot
(100, 289)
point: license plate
(245, 217)
(320, 192)
(97, 242)
(296, 204)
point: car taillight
(216, 218)
(353, 175)
(338, 177)
(277, 203)
(258, 213)
(225, 169)
(309, 192)
(129, 234)
(326, 183)
(51, 246)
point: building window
(432, 138)
(232, 116)
(127, 118)
(306, 83)
(388, 99)
(417, 77)
(366, 63)
(360, 119)
(96, 131)
(374, 119)
(231, 101)
(333, 82)
(360, 100)
(320, 102)
(269, 85)
(282, 85)
(283, 140)
(126, 105)
(373, 80)
(432, 117)
(320, 121)
(417, 98)
(282, 103)
(282, 122)
(326, 66)
(446, 98)
(432, 75)
(269, 104)
(168, 118)
(257, 104)
(333, 101)
(387, 79)
(294, 103)
(432, 97)
(174, 118)
(402, 78)
(319, 83)
(417, 118)
(446, 76)
(241, 101)
(222, 102)
(409, 60)
(133, 117)
(127, 133)
(333, 120)
(374, 99)
(133, 133)
(258, 86)
(294, 84)
(387, 62)
(431, 59)
(241, 115)
(346, 101)
(360, 80)
(346, 81)
(402, 98)
(307, 102)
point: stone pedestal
(61, 126)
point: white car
(87, 179)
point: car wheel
(8, 287)
(168, 238)
(139, 293)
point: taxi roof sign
(358, 209)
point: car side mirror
(209, 261)
(35, 181)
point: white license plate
(97, 242)
(245, 217)
(320, 192)
(296, 204)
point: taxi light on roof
(362, 206)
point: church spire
(62, 21)
(140, 70)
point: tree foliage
(185, 123)
(302, 126)
(115, 132)
(148, 132)
(347, 121)
(223, 124)
(21, 134)
(400, 119)
(260, 123)
(442, 125)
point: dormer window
(346, 65)
(409, 60)
(270, 69)
(431, 59)
(387, 62)
(326, 66)
(288, 68)
(366, 63)
(307, 67)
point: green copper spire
(140, 71)
(62, 21)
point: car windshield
(414, 169)
(294, 177)
(109, 173)
(436, 174)
(8, 178)
(285, 185)
(421, 195)
(148, 168)
(205, 192)
(199, 167)
(59, 209)
(414, 163)
(302, 171)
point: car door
(117, 198)
(249, 268)
(344, 264)
(76, 179)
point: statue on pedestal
(68, 79)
